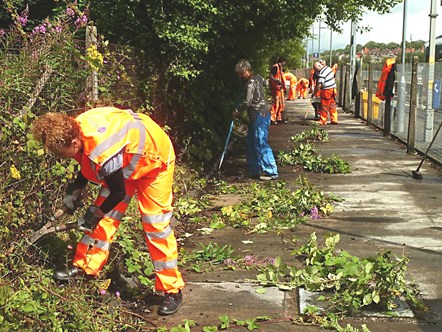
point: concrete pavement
(383, 207)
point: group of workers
(127, 154)
(321, 85)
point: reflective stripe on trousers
(154, 194)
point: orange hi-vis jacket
(380, 91)
(107, 130)
(292, 78)
(277, 76)
(148, 168)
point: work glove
(90, 219)
(72, 199)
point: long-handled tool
(416, 174)
(50, 228)
(227, 142)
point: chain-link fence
(428, 103)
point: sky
(386, 28)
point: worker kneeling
(126, 153)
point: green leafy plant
(352, 282)
(208, 255)
(308, 157)
(273, 206)
(314, 134)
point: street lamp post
(319, 40)
(352, 58)
(429, 112)
(331, 37)
(402, 84)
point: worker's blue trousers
(260, 157)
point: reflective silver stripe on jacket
(159, 235)
(159, 265)
(103, 245)
(156, 218)
(118, 136)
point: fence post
(358, 104)
(341, 85)
(345, 92)
(347, 99)
(387, 115)
(411, 139)
(370, 95)
(92, 80)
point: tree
(189, 48)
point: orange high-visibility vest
(380, 91)
(108, 130)
(278, 76)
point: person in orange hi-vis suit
(277, 89)
(334, 68)
(326, 85)
(126, 153)
(288, 76)
(302, 87)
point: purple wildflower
(314, 213)
(103, 291)
(2, 32)
(70, 11)
(22, 20)
(117, 294)
(58, 29)
(81, 21)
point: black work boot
(171, 303)
(69, 274)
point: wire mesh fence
(428, 109)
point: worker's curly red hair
(55, 130)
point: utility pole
(313, 37)
(319, 40)
(429, 112)
(331, 38)
(352, 57)
(402, 85)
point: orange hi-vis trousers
(154, 192)
(328, 105)
(278, 105)
(292, 92)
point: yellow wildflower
(15, 173)
(95, 58)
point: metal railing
(416, 134)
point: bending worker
(302, 87)
(126, 153)
(288, 76)
(260, 160)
